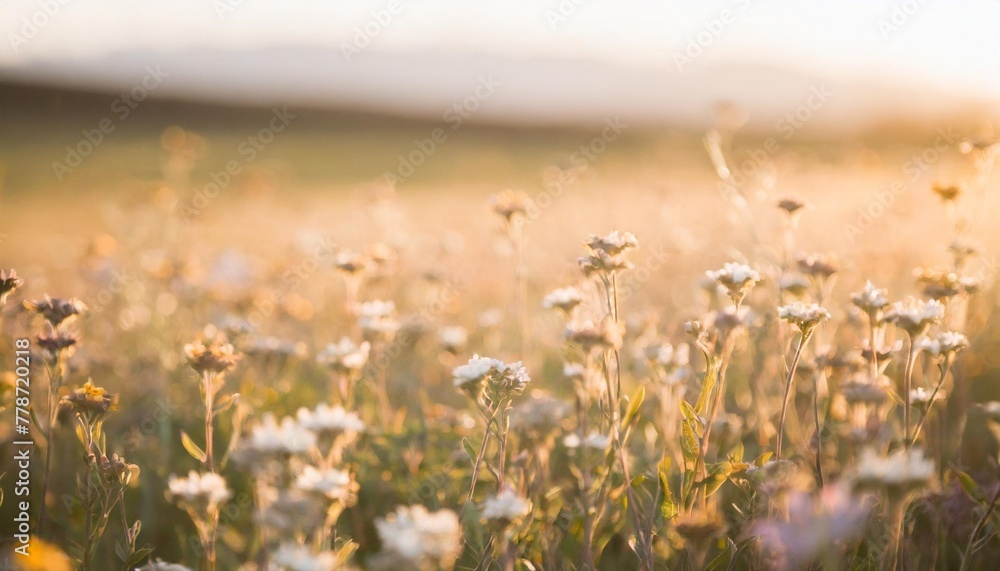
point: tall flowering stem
(805, 317)
(605, 261)
(492, 385)
(211, 362)
(913, 317)
(57, 346)
(872, 301)
(944, 347)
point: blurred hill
(531, 92)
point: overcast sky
(949, 43)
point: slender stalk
(874, 346)
(633, 505)
(209, 419)
(890, 557)
(210, 542)
(588, 525)
(967, 554)
(502, 426)
(819, 437)
(55, 380)
(945, 367)
(803, 339)
(480, 456)
(88, 501)
(907, 378)
(720, 379)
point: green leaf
(633, 406)
(762, 459)
(689, 441)
(138, 556)
(691, 416)
(725, 557)
(708, 383)
(192, 448)
(344, 553)
(736, 454)
(970, 487)
(668, 506)
(469, 449)
(717, 475)
(121, 550)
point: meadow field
(322, 342)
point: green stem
(945, 367)
(803, 339)
(907, 376)
(819, 437)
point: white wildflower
(453, 338)
(344, 356)
(378, 317)
(472, 372)
(944, 344)
(330, 420)
(413, 538)
(289, 436)
(330, 482)
(738, 279)
(805, 316)
(505, 507)
(614, 243)
(901, 470)
(565, 299)
(298, 558)
(870, 299)
(196, 489)
(915, 316)
(593, 441)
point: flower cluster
(90, 401)
(737, 279)
(8, 283)
(415, 538)
(805, 316)
(498, 377)
(378, 317)
(344, 356)
(55, 311)
(202, 492)
(215, 358)
(915, 316)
